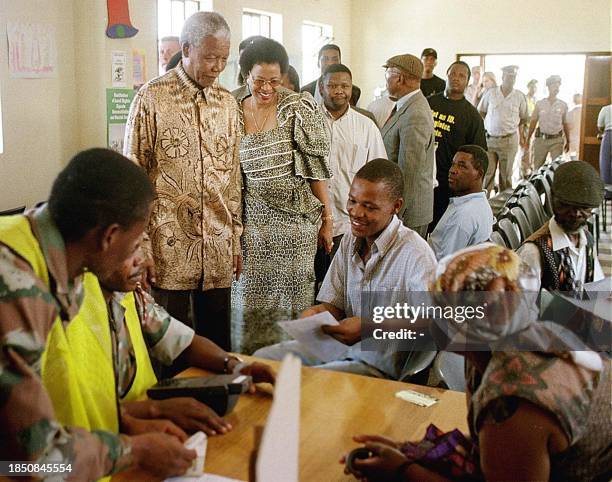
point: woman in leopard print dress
(286, 208)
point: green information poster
(118, 103)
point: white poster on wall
(118, 68)
(32, 50)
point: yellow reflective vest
(77, 366)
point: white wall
(46, 121)
(294, 12)
(38, 115)
(93, 69)
(381, 29)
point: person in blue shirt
(468, 220)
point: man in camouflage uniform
(167, 340)
(98, 208)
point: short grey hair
(204, 24)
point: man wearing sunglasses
(562, 252)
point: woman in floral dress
(287, 211)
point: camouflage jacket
(165, 337)
(28, 309)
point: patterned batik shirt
(28, 309)
(166, 337)
(187, 140)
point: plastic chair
(510, 231)
(449, 368)
(12, 211)
(542, 186)
(416, 363)
(534, 212)
(498, 239)
(499, 201)
(555, 163)
(504, 213)
(520, 218)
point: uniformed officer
(504, 109)
(550, 117)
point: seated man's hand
(384, 464)
(136, 426)
(161, 454)
(260, 372)
(190, 415)
(313, 310)
(348, 331)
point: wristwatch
(226, 362)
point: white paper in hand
(198, 442)
(308, 332)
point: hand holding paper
(309, 333)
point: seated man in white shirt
(468, 220)
(355, 140)
(562, 252)
(378, 254)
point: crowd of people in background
(234, 210)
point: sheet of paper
(118, 66)
(600, 298)
(308, 332)
(417, 398)
(32, 50)
(202, 478)
(603, 285)
(198, 442)
(277, 458)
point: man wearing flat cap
(504, 109)
(430, 84)
(409, 139)
(550, 117)
(562, 252)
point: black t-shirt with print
(432, 86)
(456, 122)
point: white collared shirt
(400, 261)
(355, 140)
(577, 254)
(604, 119)
(468, 220)
(381, 108)
(402, 100)
(503, 114)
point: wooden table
(334, 406)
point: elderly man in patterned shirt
(183, 130)
(98, 208)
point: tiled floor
(605, 245)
